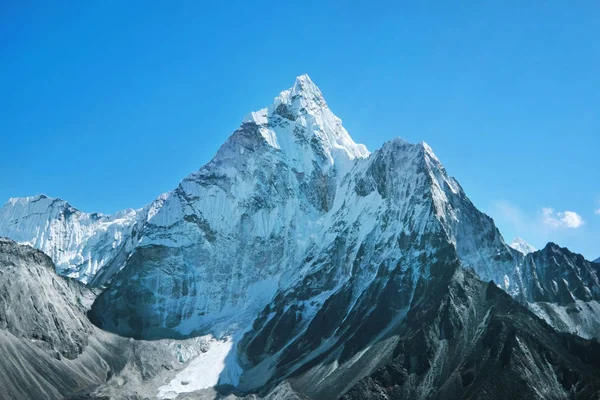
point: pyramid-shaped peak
(304, 94)
(301, 125)
(304, 79)
(305, 86)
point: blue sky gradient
(107, 104)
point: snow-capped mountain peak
(304, 87)
(522, 246)
(299, 120)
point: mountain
(597, 260)
(522, 246)
(79, 243)
(318, 268)
(305, 206)
(299, 195)
(564, 290)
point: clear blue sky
(107, 104)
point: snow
(205, 370)
(80, 244)
(314, 119)
(522, 246)
(257, 117)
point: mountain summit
(301, 125)
(328, 270)
(522, 246)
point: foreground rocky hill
(50, 350)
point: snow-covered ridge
(522, 246)
(80, 244)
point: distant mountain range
(302, 266)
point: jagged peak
(49, 205)
(301, 115)
(305, 87)
(304, 95)
(400, 143)
(554, 247)
(34, 199)
(421, 149)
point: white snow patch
(205, 370)
(522, 246)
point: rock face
(38, 305)
(43, 330)
(561, 276)
(330, 269)
(564, 290)
(472, 340)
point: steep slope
(473, 341)
(40, 306)
(288, 179)
(561, 276)
(522, 246)
(597, 260)
(565, 290)
(358, 287)
(80, 244)
(45, 338)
